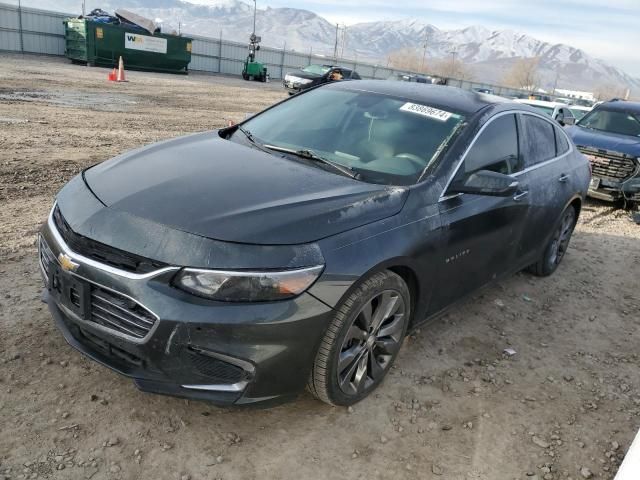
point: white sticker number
(425, 111)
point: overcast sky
(606, 29)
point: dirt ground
(566, 405)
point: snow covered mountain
(491, 53)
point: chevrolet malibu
(300, 247)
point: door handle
(563, 178)
(521, 195)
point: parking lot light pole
(255, 8)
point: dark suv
(314, 75)
(609, 136)
(294, 250)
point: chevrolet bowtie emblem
(66, 263)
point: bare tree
(524, 74)
(411, 60)
(608, 91)
(452, 68)
(407, 59)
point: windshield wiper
(311, 155)
(251, 138)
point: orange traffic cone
(113, 74)
(120, 77)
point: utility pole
(555, 83)
(335, 48)
(424, 53)
(453, 52)
(344, 41)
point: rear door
(481, 233)
(548, 173)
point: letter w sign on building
(146, 43)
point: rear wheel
(557, 247)
(362, 340)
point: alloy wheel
(372, 340)
(562, 237)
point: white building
(560, 92)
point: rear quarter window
(562, 145)
(540, 139)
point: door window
(540, 144)
(496, 149)
(336, 74)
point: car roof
(541, 103)
(580, 107)
(451, 98)
(327, 65)
(621, 106)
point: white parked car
(560, 112)
(579, 111)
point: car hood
(219, 189)
(585, 137)
(307, 75)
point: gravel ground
(566, 405)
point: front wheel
(557, 247)
(362, 340)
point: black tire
(245, 76)
(358, 341)
(555, 250)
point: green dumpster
(96, 43)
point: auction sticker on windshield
(425, 111)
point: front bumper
(294, 87)
(200, 349)
(613, 191)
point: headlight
(245, 286)
(304, 81)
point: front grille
(107, 348)
(107, 308)
(610, 165)
(120, 313)
(46, 256)
(102, 253)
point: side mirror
(485, 182)
(569, 121)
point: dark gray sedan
(299, 247)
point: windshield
(612, 121)
(316, 69)
(383, 139)
(578, 113)
(547, 110)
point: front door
(481, 233)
